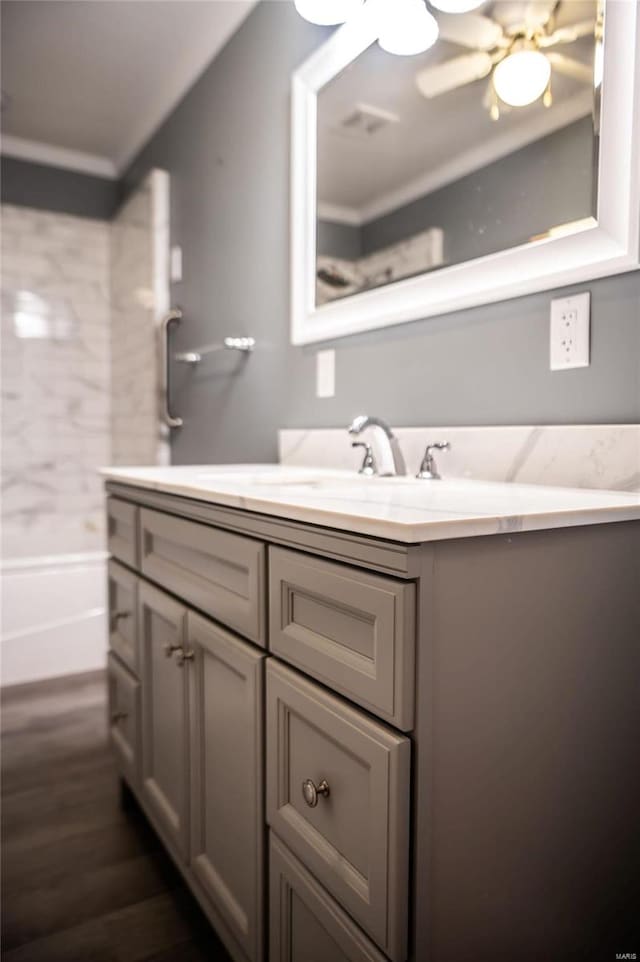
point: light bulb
(456, 6)
(405, 27)
(522, 77)
(327, 12)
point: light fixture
(327, 13)
(456, 6)
(522, 77)
(405, 27)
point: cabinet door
(227, 818)
(305, 924)
(165, 728)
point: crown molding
(50, 156)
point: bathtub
(53, 616)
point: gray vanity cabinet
(165, 720)
(226, 736)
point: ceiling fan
(513, 48)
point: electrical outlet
(569, 332)
(325, 373)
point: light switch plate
(570, 332)
(326, 373)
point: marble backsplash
(55, 381)
(605, 456)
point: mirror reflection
(484, 142)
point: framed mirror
(423, 184)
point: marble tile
(55, 381)
(415, 255)
(605, 456)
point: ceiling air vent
(367, 120)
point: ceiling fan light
(522, 77)
(327, 13)
(405, 27)
(456, 6)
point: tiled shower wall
(139, 298)
(55, 381)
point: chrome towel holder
(243, 344)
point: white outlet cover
(570, 332)
(326, 373)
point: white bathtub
(53, 616)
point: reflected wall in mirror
(423, 164)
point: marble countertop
(398, 509)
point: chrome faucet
(389, 456)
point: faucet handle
(428, 470)
(369, 463)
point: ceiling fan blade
(570, 67)
(569, 33)
(434, 81)
(538, 12)
(470, 30)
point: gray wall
(339, 240)
(51, 188)
(227, 148)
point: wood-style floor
(84, 878)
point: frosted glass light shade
(327, 12)
(405, 27)
(521, 77)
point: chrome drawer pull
(118, 716)
(310, 792)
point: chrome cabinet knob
(183, 656)
(310, 791)
(169, 649)
(118, 716)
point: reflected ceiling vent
(366, 120)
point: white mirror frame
(608, 245)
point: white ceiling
(89, 82)
(434, 141)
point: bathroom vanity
(380, 718)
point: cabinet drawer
(123, 604)
(218, 572)
(355, 838)
(352, 630)
(124, 717)
(306, 924)
(122, 531)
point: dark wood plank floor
(84, 877)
